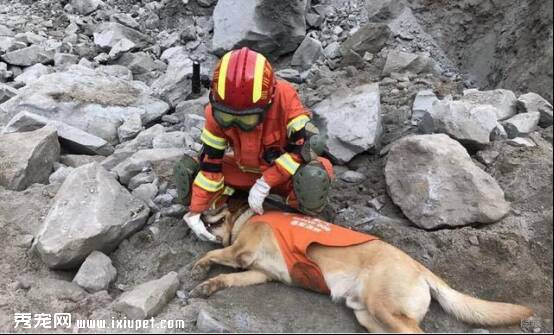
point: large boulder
(504, 101)
(436, 184)
(351, 118)
(307, 53)
(83, 98)
(72, 138)
(36, 53)
(400, 62)
(27, 158)
(467, 123)
(522, 124)
(160, 161)
(85, 7)
(371, 37)
(148, 299)
(175, 85)
(91, 211)
(108, 34)
(272, 27)
(532, 102)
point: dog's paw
(200, 271)
(207, 288)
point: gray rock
(161, 161)
(57, 289)
(29, 56)
(6, 92)
(207, 324)
(290, 75)
(175, 85)
(107, 34)
(357, 127)
(487, 157)
(255, 23)
(175, 139)
(309, 51)
(117, 71)
(121, 47)
(96, 273)
(5, 31)
(85, 7)
(59, 176)
(176, 211)
(436, 184)
(503, 100)
(126, 20)
(164, 200)
(89, 194)
(423, 104)
(369, 38)
(27, 158)
(499, 133)
(400, 61)
(130, 128)
(352, 177)
(146, 192)
(532, 102)
(314, 20)
(522, 124)
(80, 160)
(8, 44)
(85, 99)
(143, 140)
(193, 106)
(332, 50)
(206, 3)
(521, 142)
(384, 10)
(148, 299)
(33, 73)
(464, 122)
(62, 61)
(116, 158)
(139, 179)
(139, 63)
(73, 139)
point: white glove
(197, 226)
(257, 195)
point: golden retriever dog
(387, 289)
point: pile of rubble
(96, 106)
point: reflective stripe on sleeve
(207, 184)
(288, 163)
(213, 141)
(297, 123)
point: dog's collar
(239, 222)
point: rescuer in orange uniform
(263, 122)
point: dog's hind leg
(220, 282)
(395, 322)
(368, 322)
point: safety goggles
(246, 120)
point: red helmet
(243, 83)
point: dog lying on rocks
(387, 289)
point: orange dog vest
(296, 232)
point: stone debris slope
(438, 117)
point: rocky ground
(439, 122)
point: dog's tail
(473, 310)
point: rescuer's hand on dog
(257, 195)
(195, 223)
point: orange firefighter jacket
(296, 232)
(286, 116)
